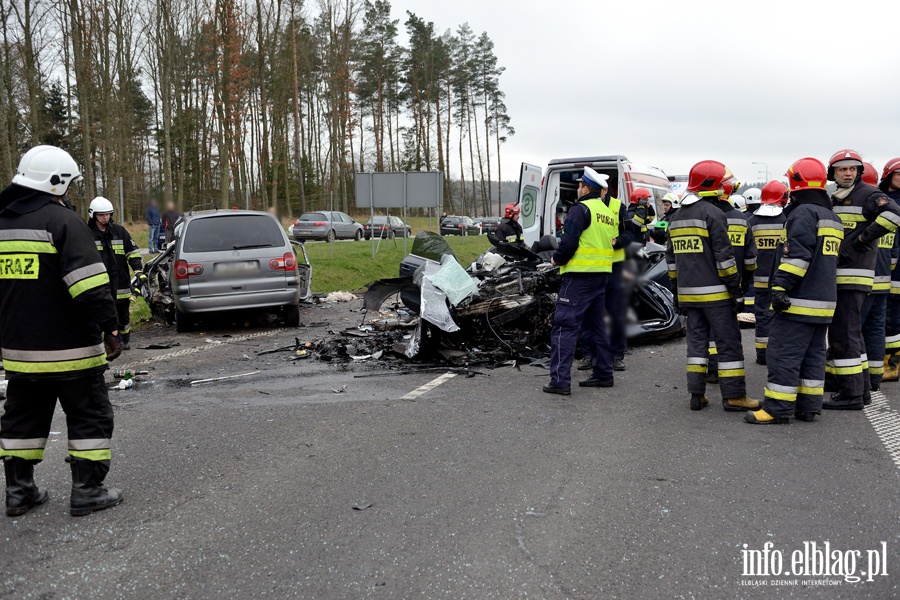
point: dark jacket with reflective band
(895, 254)
(867, 214)
(578, 219)
(807, 261)
(54, 290)
(700, 256)
(118, 251)
(767, 233)
(508, 231)
(636, 220)
(742, 239)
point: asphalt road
(481, 487)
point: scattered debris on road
(223, 378)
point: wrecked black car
(505, 300)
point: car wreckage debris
(498, 311)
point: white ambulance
(543, 194)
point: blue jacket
(153, 217)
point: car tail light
(183, 269)
(320, 223)
(288, 262)
(460, 225)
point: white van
(540, 192)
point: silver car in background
(235, 259)
(326, 225)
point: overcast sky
(670, 83)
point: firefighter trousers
(579, 307)
(719, 324)
(25, 424)
(796, 363)
(892, 330)
(123, 307)
(874, 315)
(844, 360)
(763, 311)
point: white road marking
(428, 386)
(886, 422)
(195, 349)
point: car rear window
(379, 220)
(230, 232)
(451, 220)
(313, 217)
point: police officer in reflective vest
(867, 215)
(700, 258)
(744, 257)
(57, 330)
(804, 294)
(890, 185)
(118, 252)
(585, 258)
(767, 224)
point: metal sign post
(121, 202)
(372, 212)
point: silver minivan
(235, 259)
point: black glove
(113, 346)
(780, 300)
(140, 280)
(859, 245)
(737, 301)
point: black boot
(125, 338)
(841, 402)
(21, 493)
(88, 492)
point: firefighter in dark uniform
(867, 215)
(804, 296)
(585, 259)
(637, 217)
(58, 328)
(890, 185)
(744, 257)
(509, 231)
(118, 251)
(874, 310)
(701, 263)
(767, 225)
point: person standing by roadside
(169, 218)
(154, 219)
(585, 260)
(767, 225)
(867, 214)
(702, 267)
(118, 252)
(804, 296)
(58, 329)
(890, 185)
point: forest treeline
(259, 102)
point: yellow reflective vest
(595, 252)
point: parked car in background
(235, 259)
(488, 224)
(453, 225)
(326, 225)
(387, 227)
